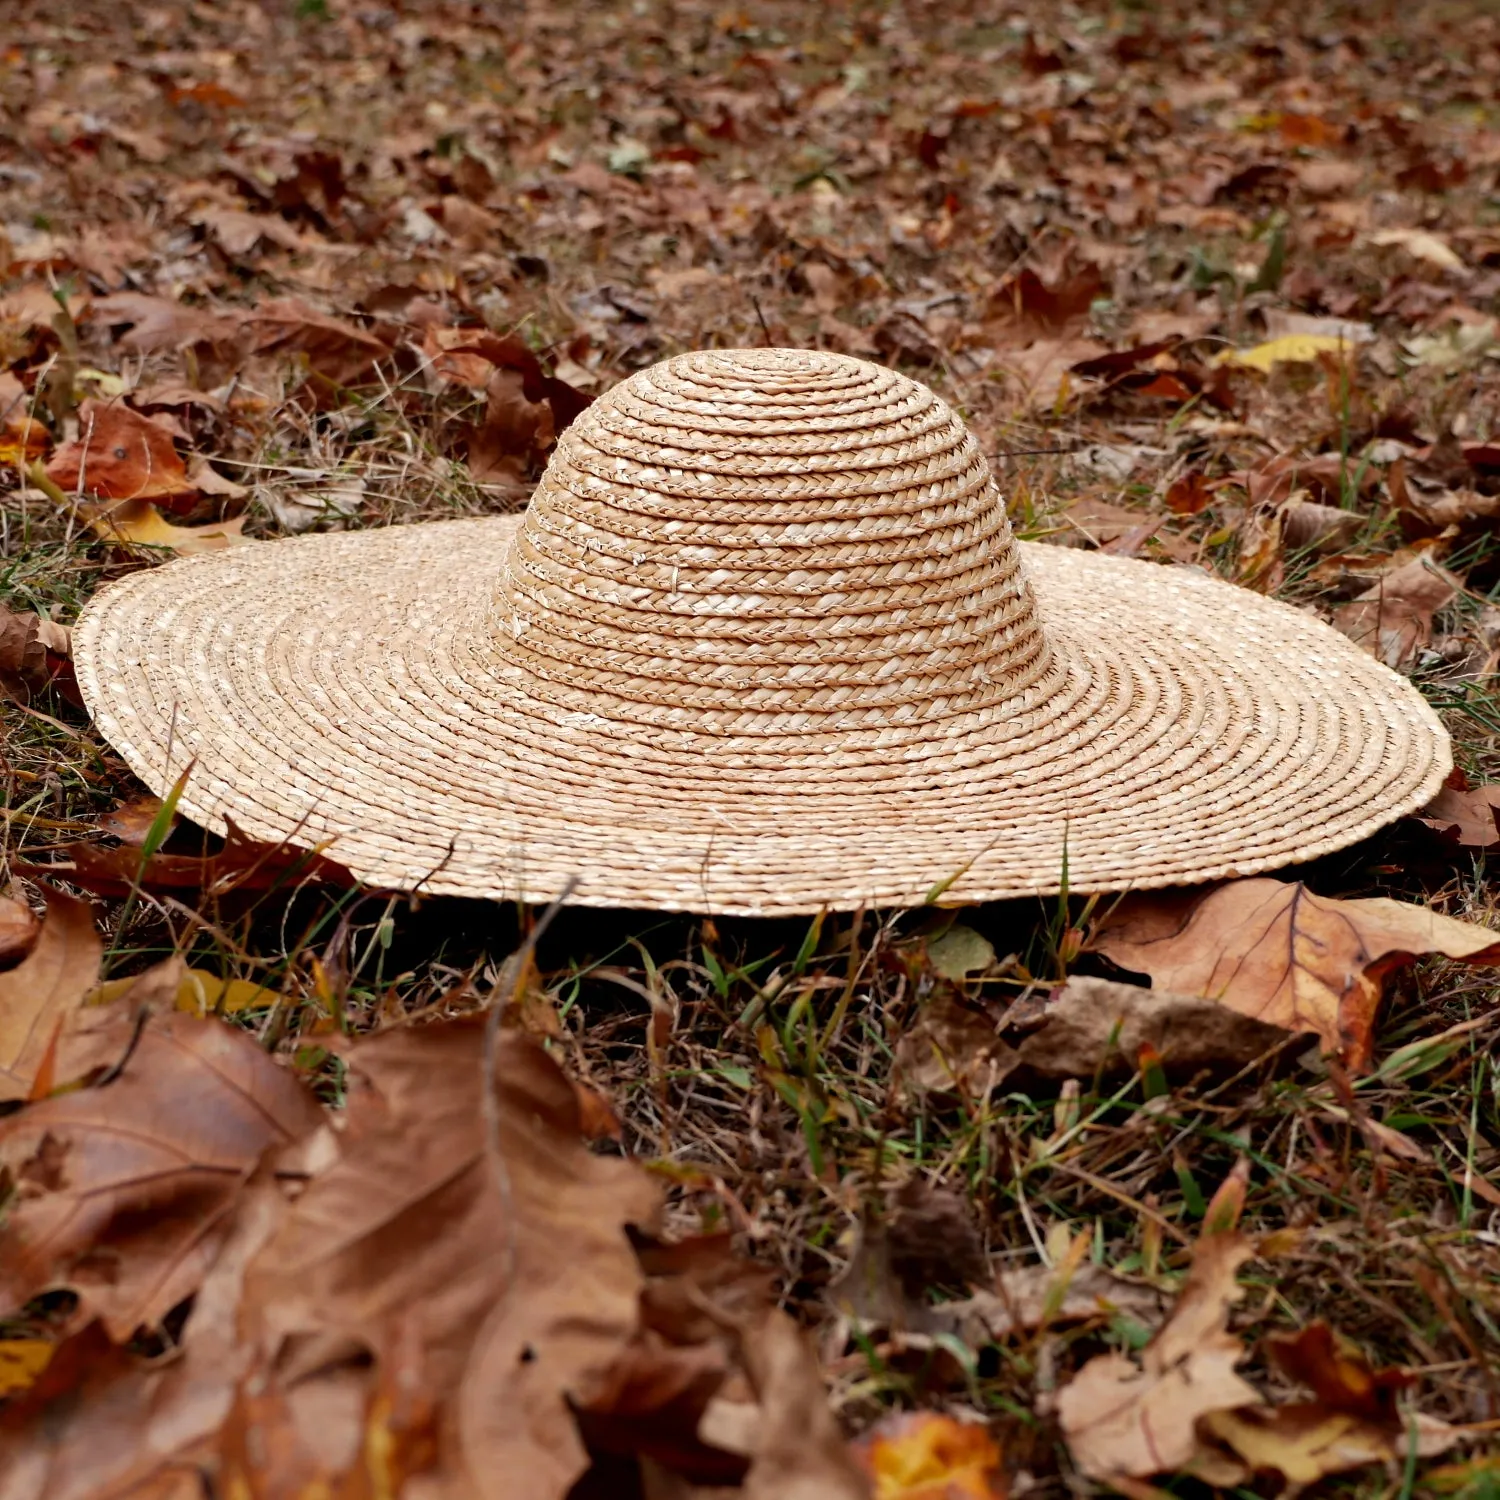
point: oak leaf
(32, 650)
(42, 991)
(1276, 951)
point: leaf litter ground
(285, 1215)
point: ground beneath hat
(345, 687)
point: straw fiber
(762, 643)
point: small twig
(509, 977)
(764, 327)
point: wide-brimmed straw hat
(762, 643)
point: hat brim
(340, 688)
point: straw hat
(763, 643)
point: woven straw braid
(757, 702)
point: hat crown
(769, 541)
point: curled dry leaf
(32, 651)
(242, 864)
(1276, 951)
(1123, 1418)
(42, 991)
(126, 1192)
(929, 1456)
(1392, 619)
(1031, 1296)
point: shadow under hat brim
(345, 688)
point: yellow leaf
(199, 994)
(21, 1361)
(202, 993)
(1291, 349)
(139, 522)
(924, 1456)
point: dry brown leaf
(799, 1452)
(1029, 1296)
(1121, 1417)
(1305, 1441)
(156, 323)
(120, 455)
(104, 1421)
(40, 993)
(242, 864)
(31, 650)
(1031, 304)
(1092, 1024)
(1353, 1421)
(18, 933)
(1392, 619)
(508, 1283)
(1470, 815)
(1276, 951)
(127, 1191)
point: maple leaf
(1276, 951)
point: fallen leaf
(18, 931)
(1306, 524)
(953, 1048)
(1120, 1417)
(1423, 245)
(242, 864)
(22, 436)
(120, 455)
(1276, 951)
(929, 1456)
(127, 1191)
(39, 994)
(1305, 1441)
(799, 1452)
(1031, 303)
(31, 649)
(1354, 1420)
(1468, 815)
(1091, 1025)
(156, 323)
(1030, 1296)
(337, 354)
(959, 952)
(1392, 619)
(1189, 494)
(509, 1281)
(138, 523)
(1292, 348)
